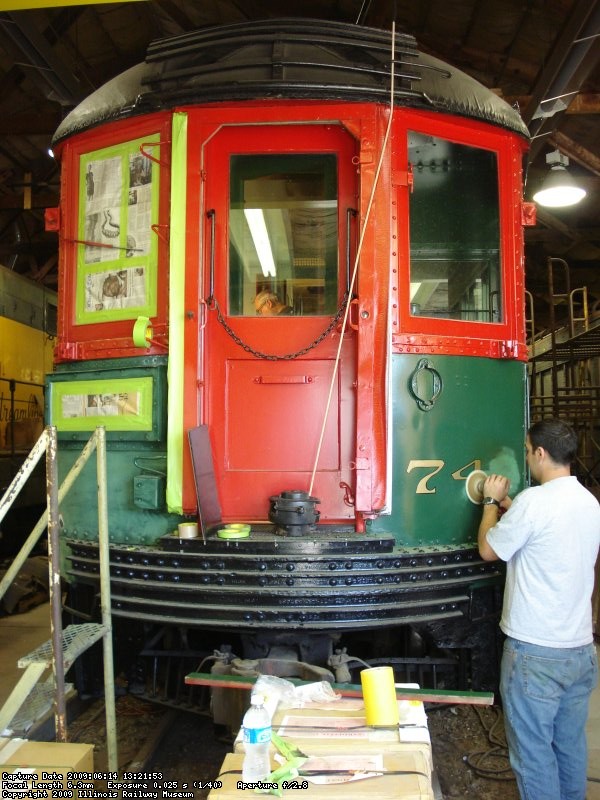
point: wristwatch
(490, 501)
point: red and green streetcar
(292, 290)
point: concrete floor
(22, 633)
(19, 635)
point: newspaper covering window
(125, 288)
(100, 405)
(103, 182)
(118, 404)
(116, 276)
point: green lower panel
(128, 397)
(127, 522)
(477, 421)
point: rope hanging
(356, 261)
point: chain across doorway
(213, 304)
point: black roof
(288, 58)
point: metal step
(36, 706)
(76, 639)
(30, 700)
(12, 704)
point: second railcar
(266, 167)
(27, 336)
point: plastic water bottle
(257, 740)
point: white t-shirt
(549, 538)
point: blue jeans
(545, 692)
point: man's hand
(497, 486)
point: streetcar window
(51, 319)
(454, 231)
(283, 232)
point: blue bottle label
(257, 735)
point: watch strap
(490, 501)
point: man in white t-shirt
(549, 538)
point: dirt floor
(469, 753)
(468, 747)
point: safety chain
(272, 356)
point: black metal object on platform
(294, 513)
(209, 508)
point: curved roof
(288, 58)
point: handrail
(22, 383)
(15, 487)
(17, 483)
(56, 630)
(586, 317)
(105, 603)
(48, 443)
(531, 318)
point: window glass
(454, 231)
(283, 234)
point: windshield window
(283, 234)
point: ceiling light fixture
(559, 188)
(260, 236)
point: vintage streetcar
(292, 289)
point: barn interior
(541, 56)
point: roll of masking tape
(379, 693)
(235, 530)
(142, 332)
(188, 530)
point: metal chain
(272, 356)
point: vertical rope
(356, 261)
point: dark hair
(556, 437)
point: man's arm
(488, 519)
(495, 486)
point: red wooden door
(278, 201)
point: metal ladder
(66, 645)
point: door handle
(202, 307)
(211, 282)
(350, 213)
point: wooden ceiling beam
(176, 14)
(549, 235)
(576, 152)
(485, 62)
(29, 123)
(563, 58)
(584, 103)
(38, 201)
(41, 58)
(39, 274)
(546, 218)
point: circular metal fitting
(294, 512)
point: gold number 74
(435, 465)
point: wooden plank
(451, 696)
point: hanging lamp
(559, 188)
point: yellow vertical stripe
(175, 435)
